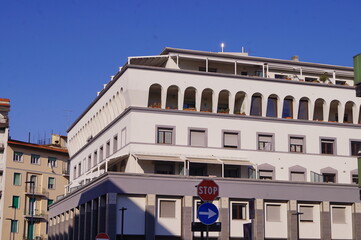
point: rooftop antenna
(222, 46)
(242, 49)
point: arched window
(303, 108)
(172, 97)
(155, 96)
(349, 109)
(318, 110)
(240, 103)
(223, 102)
(206, 100)
(272, 108)
(256, 105)
(189, 102)
(287, 111)
(333, 116)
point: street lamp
(32, 183)
(123, 209)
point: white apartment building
(284, 132)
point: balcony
(65, 172)
(37, 191)
(38, 214)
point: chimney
(295, 58)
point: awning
(142, 157)
(237, 162)
(204, 160)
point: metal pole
(207, 233)
(32, 203)
(122, 226)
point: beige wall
(43, 193)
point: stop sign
(207, 190)
(102, 236)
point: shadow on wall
(140, 220)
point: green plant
(324, 78)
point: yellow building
(34, 177)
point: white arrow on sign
(210, 213)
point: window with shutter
(298, 176)
(339, 215)
(265, 142)
(296, 144)
(198, 138)
(307, 213)
(230, 140)
(167, 209)
(273, 213)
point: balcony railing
(65, 171)
(37, 213)
(38, 191)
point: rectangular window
(18, 157)
(273, 213)
(115, 143)
(230, 140)
(198, 138)
(327, 146)
(329, 177)
(265, 142)
(355, 148)
(307, 213)
(101, 154)
(52, 162)
(17, 179)
(123, 137)
(165, 135)
(298, 176)
(89, 161)
(95, 159)
(296, 144)
(239, 211)
(164, 168)
(265, 174)
(50, 201)
(79, 169)
(51, 183)
(231, 171)
(355, 178)
(167, 209)
(339, 215)
(197, 169)
(35, 159)
(74, 172)
(14, 226)
(107, 149)
(16, 202)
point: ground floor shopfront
(163, 207)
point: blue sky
(55, 55)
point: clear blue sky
(55, 55)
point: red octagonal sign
(207, 190)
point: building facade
(284, 132)
(34, 177)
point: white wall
(276, 229)
(342, 230)
(311, 229)
(134, 216)
(169, 226)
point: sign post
(208, 213)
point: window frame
(302, 217)
(38, 159)
(334, 147)
(272, 135)
(267, 213)
(354, 140)
(53, 185)
(160, 210)
(332, 214)
(165, 127)
(52, 162)
(204, 130)
(21, 158)
(16, 222)
(12, 203)
(19, 174)
(115, 143)
(232, 132)
(290, 136)
(246, 213)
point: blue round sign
(208, 213)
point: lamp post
(32, 183)
(123, 209)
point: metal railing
(37, 191)
(37, 213)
